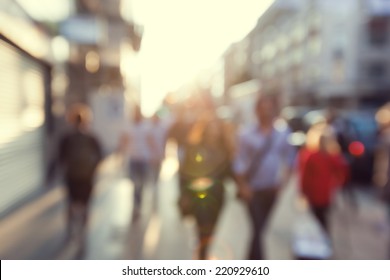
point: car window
(365, 130)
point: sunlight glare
(183, 37)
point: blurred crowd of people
(258, 158)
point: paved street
(36, 231)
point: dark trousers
(206, 212)
(79, 193)
(321, 213)
(139, 177)
(388, 220)
(260, 208)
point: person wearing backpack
(79, 154)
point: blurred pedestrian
(159, 132)
(178, 132)
(79, 154)
(323, 170)
(263, 165)
(136, 145)
(340, 129)
(382, 159)
(206, 165)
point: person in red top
(322, 171)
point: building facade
(25, 78)
(102, 67)
(314, 52)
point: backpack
(82, 155)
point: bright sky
(47, 9)
(184, 36)
(181, 37)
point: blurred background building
(54, 55)
(309, 53)
(313, 54)
(26, 61)
(102, 67)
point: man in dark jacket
(78, 154)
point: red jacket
(320, 176)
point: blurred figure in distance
(79, 154)
(178, 132)
(382, 159)
(158, 132)
(322, 169)
(136, 145)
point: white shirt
(139, 135)
(279, 155)
(158, 131)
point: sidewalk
(36, 231)
(361, 233)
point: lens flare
(198, 158)
(202, 195)
(201, 184)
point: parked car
(313, 117)
(361, 138)
(294, 116)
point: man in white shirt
(158, 132)
(263, 162)
(136, 144)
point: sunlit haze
(183, 37)
(45, 10)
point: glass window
(314, 45)
(378, 31)
(299, 33)
(282, 43)
(297, 56)
(268, 52)
(314, 72)
(377, 70)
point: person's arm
(307, 175)
(341, 169)
(243, 187)
(99, 150)
(124, 142)
(290, 159)
(381, 163)
(56, 159)
(240, 166)
(51, 170)
(152, 145)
